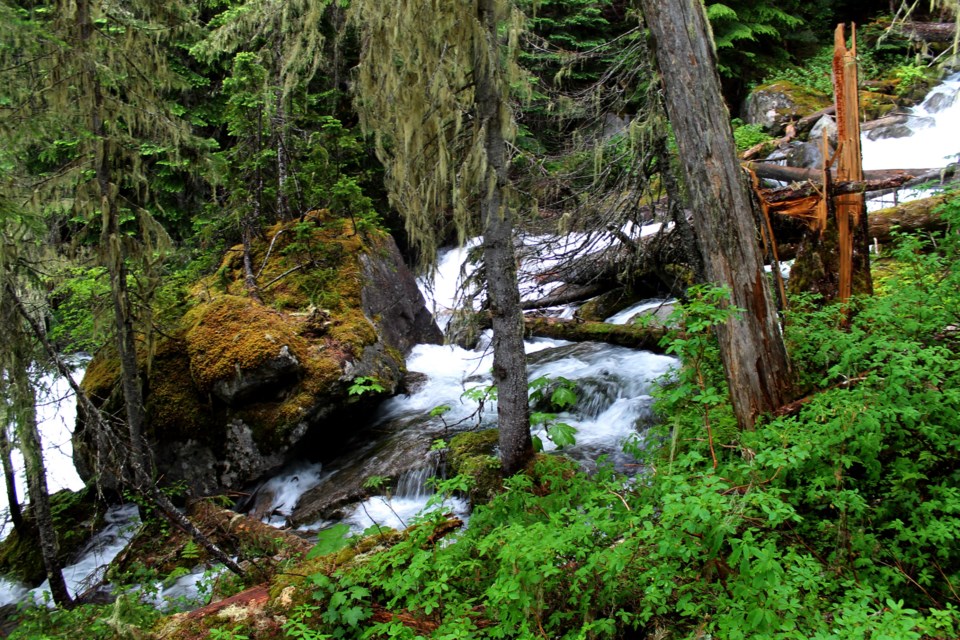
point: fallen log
(635, 337)
(246, 533)
(909, 217)
(784, 194)
(567, 294)
(772, 171)
(928, 31)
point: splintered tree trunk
(751, 345)
(509, 360)
(833, 260)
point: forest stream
(613, 386)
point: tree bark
(509, 361)
(25, 402)
(751, 344)
(10, 478)
(137, 460)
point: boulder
(237, 386)
(806, 155)
(828, 125)
(898, 127)
(774, 105)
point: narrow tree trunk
(10, 478)
(26, 416)
(751, 345)
(509, 361)
(138, 462)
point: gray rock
(774, 105)
(392, 300)
(243, 461)
(272, 376)
(900, 129)
(806, 155)
(940, 99)
(825, 124)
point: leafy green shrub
(838, 521)
(748, 135)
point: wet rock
(941, 99)
(827, 125)
(273, 374)
(806, 155)
(900, 128)
(774, 105)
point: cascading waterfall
(928, 138)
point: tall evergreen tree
(751, 345)
(432, 89)
(104, 81)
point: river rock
(900, 127)
(827, 125)
(238, 386)
(774, 105)
(806, 155)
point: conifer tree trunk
(137, 459)
(24, 402)
(509, 359)
(9, 477)
(751, 344)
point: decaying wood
(636, 337)
(928, 31)
(247, 532)
(910, 217)
(851, 207)
(796, 174)
(567, 294)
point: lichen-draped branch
(416, 95)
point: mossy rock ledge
(774, 105)
(241, 386)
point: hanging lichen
(416, 96)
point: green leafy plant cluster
(839, 520)
(748, 135)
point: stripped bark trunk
(509, 361)
(751, 345)
(833, 258)
(851, 208)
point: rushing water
(932, 140)
(613, 386)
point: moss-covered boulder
(473, 454)
(774, 105)
(237, 385)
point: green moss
(175, 408)
(875, 105)
(471, 454)
(805, 100)
(76, 516)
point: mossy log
(909, 217)
(635, 337)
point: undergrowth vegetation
(838, 519)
